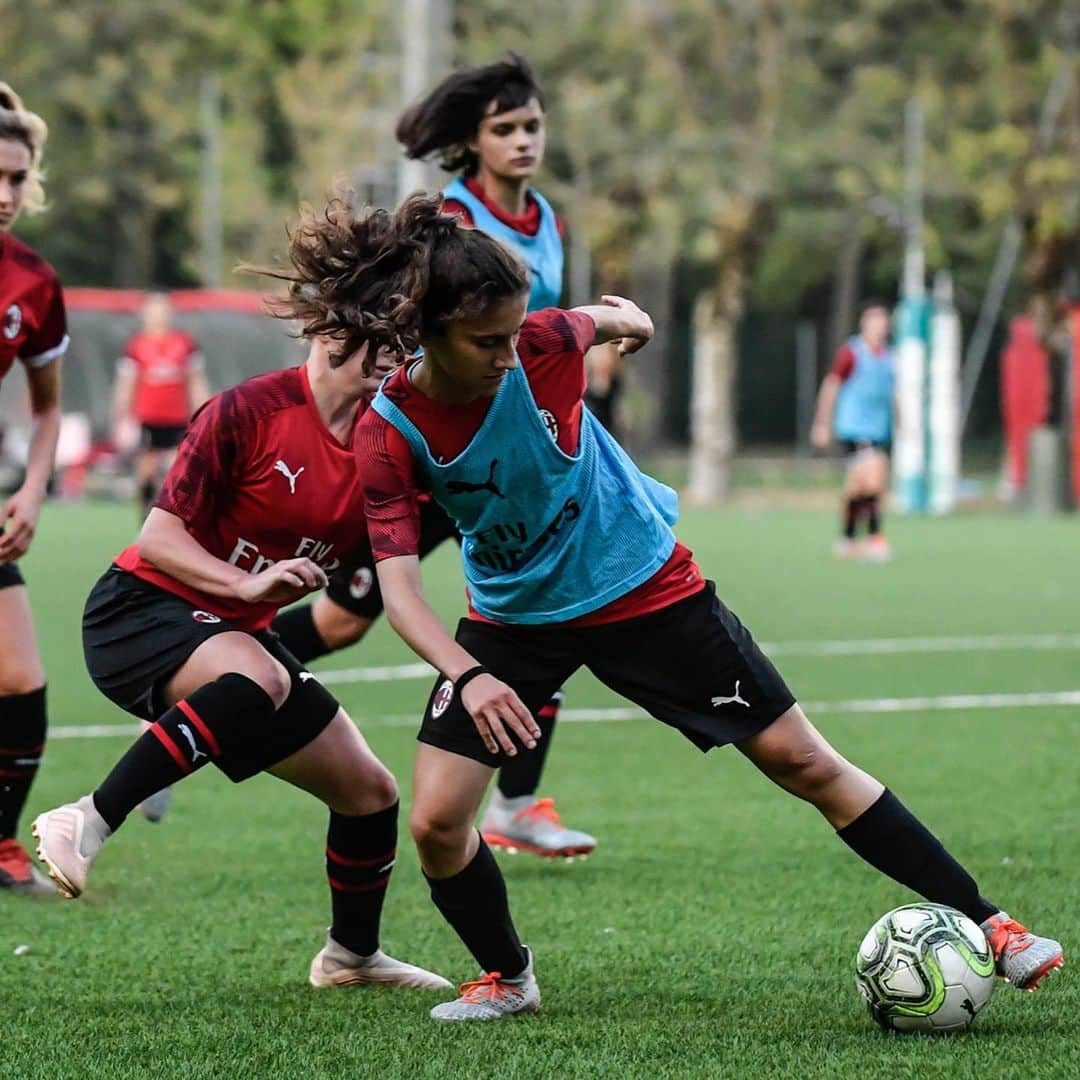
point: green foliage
(670, 133)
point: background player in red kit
(262, 502)
(33, 330)
(160, 384)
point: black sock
(185, 738)
(474, 903)
(873, 515)
(851, 517)
(22, 741)
(359, 858)
(889, 837)
(521, 775)
(298, 633)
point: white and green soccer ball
(925, 967)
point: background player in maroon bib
(33, 331)
(262, 501)
(160, 383)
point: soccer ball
(925, 967)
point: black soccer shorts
(354, 585)
(10, 575)
(692, 665)
(136, 636)
(162, 436)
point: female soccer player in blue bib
(487, 124)
(571, 562)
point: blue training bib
(547, 536)
(864, 406)
(543, 252)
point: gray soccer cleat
(1023, 958)
(533, 825)
(69, 839)
(334, 965)
(493, 997)
(157, 805)
(18, 874)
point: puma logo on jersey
(292, 477)
(464, 487)
(305, 676)
(735, 699)
(196, 753)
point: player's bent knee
(274, 679)
(435, 834)
(805, 770)
(22, 681)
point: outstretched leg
(873, 822)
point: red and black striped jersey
(260, 478)
(33, 324)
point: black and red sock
(184, 739)
(475, 904)
(873, 514)
(22, 742)
(520, 775)
(298, 633)
(891, 839)
(360, 853)
(852, 511)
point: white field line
(863, 647)
(942, 703)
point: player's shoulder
(25, 257)
(39, 278)
(552, 330)
(259, 398)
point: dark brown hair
(21, 125)
(390, 278)
(448, 118)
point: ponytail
(389, 279)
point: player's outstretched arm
(492, 704)
(165, 541)
(619, 319)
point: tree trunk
(712, 403)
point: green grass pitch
(714, 931)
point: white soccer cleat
(69, 839)
(493, 997)
(157, 805)
(334, 965)
(533, 825)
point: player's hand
(20, 518)
(496, 711)
(820, 436)
(283, 582)
(639, 326)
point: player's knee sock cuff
(475, 904)
(217, 719)
(889, 837)
(298, 633)
(22, 742)
(360, 855)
